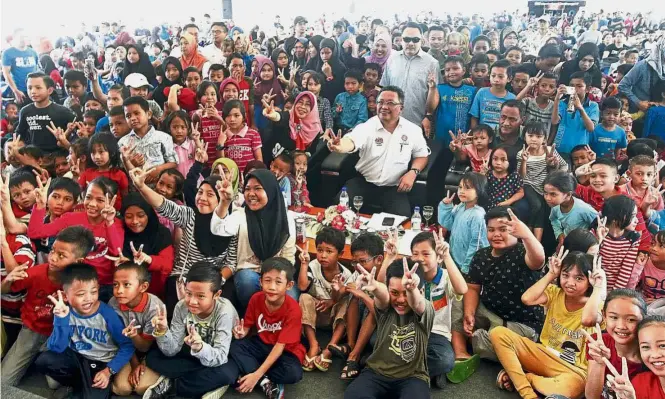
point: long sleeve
(446, 215)
(648, 122)
(115, 236)
(478, 236)
(180, 215)
(125, 345)
(38, 229)
(191, 183)
(555, 219)
(230, 225)
(163, 261)
(169, 150)
(59, 339)
(630, 80)
(217, 353)
(362, 113)
(327, 113)
(171, 343)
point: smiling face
(206, 199)
(389, 107)
(166, 185)
(621, 318)
(136, 219)
(398, 296)
(603, 178)
(274, 284)
(255, 195)
(425, 256)
(83, 296)
(94, 201)
(498, 234)
(267, 73)
(199, 298)
(652, 348)
(193, 80)
(303, 107)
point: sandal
(350, 371)
(341, 351)
(321, 363)
(308, 365)
(503, 381)
(463, 369)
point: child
(568, 212)
(539, 109)
(321, 301)
(466, 220)
(60, 162)
(217, 73)
(75, 85)
(494, 56)
(87, 346)
(8, 124)
(273, 356)
(520, 80)
(514, 55)
(626, 123)
(208, 120)
(104, 160)
(266, 84)
(244, 84)
(642, 172)
(654, 270)
(90, 119)
(78, 160)
(486, 106)
(558, 364)
(22, 184)
(203, 320)
(404, 320)
(238, 142)
(478, 152)
(99, 217)
(534, 162)
(581, 155)
(170, 184)
(139, 86)
(655, 119)
(574, 128)
(455, 46)
(479, 68)
(71, 245)
(118, 123)
(11, 160)
(192, 78)
(314, 84)
(178, 125)
(451, 101)
(619, 242)
(300, 191)
(608, 139)
(350, 107)
(371, 78)
(504, 183)
(281, 167)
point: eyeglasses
(411, 39)
(216, 31)
(390, 104)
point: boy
(8, 124)
(576, 127)
(640, 187)
(75, 85)
(371, 78)
(581, 155)
(321, 301)
(117, 122)
(10, 161)
(281, 167)
(193, 78)
(479, 71)
(60, 163)
(273, 356)
(61, 197)
(398, 364)
(86, 347)
(71, 245)
(18, 197)
(350, 108)
(520, 79)
(539, 109)
(486, 107)
(245, 85)
(202, 320)
(34, 118)
(90, 120)
(153, 147)
(136, 308)
(609, 140)
(217, 73)
(139, 86)
(114, 98)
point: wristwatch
(429, 117)
(220, 147)
(416, 171)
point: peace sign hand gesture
(431, 80)
(601, 229)
(139, 176)
(390, 246)
(596, 348)
(367, 279)
(448, 199)
(60, 308)
(441, 248)
(555, 262)
(131, 330)
(410, 280)
(41, 192)
(159, 322)
(281, 76)
(534, 80)
(5, 196)
(59, 134)
(117, 260)
(194, 340)
(304, 255)
(517, 228)
(225, 189)
(140, 257)
(524, 155)
(597, 277)
(239, 331)
(456, 143)
(196, 135)
(620, 383)
(268, 97)
(551, 159)
(486, 165)
(18, 273)
(334, 140)
(109, 211)
(201, 154)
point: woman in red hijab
(190, 52)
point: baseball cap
(299, 19)
(137, 80)
(543, 19)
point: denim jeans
(247, 284)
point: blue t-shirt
(571, 131)
(102, 124)
(487, 107)
(453, 111)
(605, 142)
(655, 122)
(21, 62)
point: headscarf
(267, 228)
(275, 55)
(334, 61)
(234, 29)
(226, 82)
(154, 238)
(265, 86)
(209, 244)
(233, 168)
(124, 39)
(144, 66)
(313, 62)
(657, 58)
(308, 128)
(158, 94)
(505, 32)
(373, 58)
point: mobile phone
(570, 90)
(388, 221)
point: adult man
(17, 62)
(193, 30)
(387, 144)
(213, 51)
(476, 27)
(437, 42)
(409, 70)
(510, 124)
(299, 26)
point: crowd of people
(149, 183)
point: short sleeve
(419, 147)
(594, 113)
(250, 313)
(551, 292)
(7, 58)
(359, 135)
(256, 141)
(291, 331)
(475, 275)
(475, 106)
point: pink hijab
(308, 128)
(265, 86)
(372, 58)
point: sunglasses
(411, 39)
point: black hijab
(144, 66)
(572, 66)
(154, 238)
(267, 228)
(275, 55)
(209, 244)
(158, 94)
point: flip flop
(503, 379)
(463, 369)
(308, 360)
(350, 371)
(341, 351)
(320, 363)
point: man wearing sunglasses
(409, 69)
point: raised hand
(534, 80)
(456, 143)
(367, 279)
(58, 133)
(601, 230)
(326, 69)
(196, 135)
(390, 246)
(194, 340)
(486, 165)
(109, 212)
(268, 97)
(441, 248)
(550, 158)
(448, 199)
(304, 255)
(517, 228)
(596, 348)
(524, 154)
(337, 282)
(18, 273)
(224, 189)
(117, 260)
(334, 140)
(239, 329)
(180, 287)
(410, 280)
(556, 260)
(590, 153)
(431, 80)
(201, 154)
(140, 257)
(268, 108)
(41, 192)
(620, 383)
(597, 277)
(132, 329)
(139, 175)
(159, 322)
(60, 308)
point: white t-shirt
(385, 156)
(441, 293)
(320, 288)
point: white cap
(137, 80)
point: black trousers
(537, 207)
(249, 353)
(71, 369)
(385, 197)
(371, 385)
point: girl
(568, 212)
(623, 311)
(478, 152)
(508, 39)
(301, 194)
(170, 185)
(586, 61)
(558, 364)
(171, 74)
(333, 68)
(581, 240)
(147, 241)
(280, 58)
(179, 127)
(137, 61)
(98, 216)
(239, 142)
(207, 117)
(619, 242)
(514, 55)
(267, 85)
(104, 160)
(504, 184)
(534, 162)
(314, 84)
(654, 270)
(455, 43)
(77, 158)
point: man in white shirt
(387, 143)
(213, 51)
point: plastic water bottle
(416, 219)
(286, 198)
(344, 197)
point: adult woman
(147, 241)
(291, 130)
(331, 66)
(381, 50)
(197, 243)
(190, 52)
(508, 39)
(138, 61)
(171, 72)
(263, 227)
(264, 87)
(586, 60)
(640, 83)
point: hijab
(265, 86)
(233, 168)
(222, 86)
(373, 58)
(309, 127)
(158, 94)
(143, 66)
(275, 55)
(657, 58)
(313, 62)
(505, 32)
(267, 228)
(209, 244)
(334, 61)
(154, 238)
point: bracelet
(157, 334)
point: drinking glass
(428, 211)
(358, 203)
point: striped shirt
(187, 253)
(537, 169)
(210, 129)
(240, 147)
(24, 252)
(536, 114)
(619, 256)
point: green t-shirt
(401, 344)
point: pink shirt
(476, 160)
(652, 281)
(658, 206)
(185, 152)
(240, 147)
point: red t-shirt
(244, 95)
(615, 360)
(36, 312)
(647, 386)
(117, 175)
(283, 326)
(24, 252)
(210, 129)
(241, 148)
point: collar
(152, 129)
(439, 274)
(241, 133)
(138, 308)
(379, 125)
(187, 144)
(417, 55)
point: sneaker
(216, 394)
(272, 390)
(439, 381)
(160, 389)
(52, 384)
(63, 392)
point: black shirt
(612, 51)
(32, 123)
